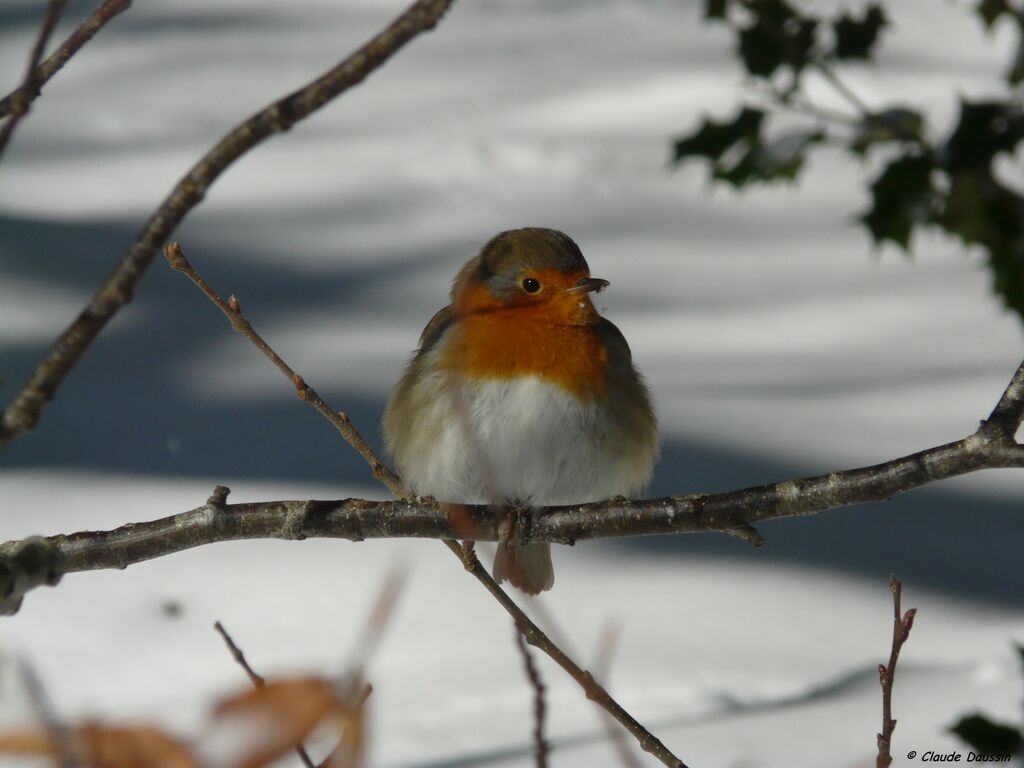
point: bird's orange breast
(505, 344)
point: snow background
(777, 344)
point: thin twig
(348, 752)
(901, 626)
(24, 410)
(40, 701)
(798, 102)
(539, 708)
(602, 668)
(536, 637)
(56, 60)
(1007, 416)
(380, 613)
(21, 99)
(257, 681)
(844, 90)
(232, 310)
(236, 653)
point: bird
(521, 393)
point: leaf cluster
(948, 183)
(774, 35)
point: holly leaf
(989, 11)
(713, 139)
(985, 129)
(715, 9)
(778, 160)
(895, 124)
(986, 736)
(981, 211)
(856, 37)
(776, 36)
(1015, 74)
(901, 197)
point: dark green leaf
(902, 197)
(981, 211)
(1015, 74)
(777, 12)
(715, 9)
(991, 10)
(776, 36)
(778, 160)
(713, 139)
(987, 737)
(856, 37)
(986, 128)
(896, 124)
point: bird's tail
(525, 566)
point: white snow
(771, 335)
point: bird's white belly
(523, 440)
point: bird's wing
(435, 329)
(615, 342)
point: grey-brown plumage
(520, 392)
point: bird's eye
(530, 285)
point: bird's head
(530, 273)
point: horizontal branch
(733, 512)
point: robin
(521, 393)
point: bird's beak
(589, 285)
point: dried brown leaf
(101, 746)
(262, 724)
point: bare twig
(844, 90)
(257, 681)
(232, 310)
(901, 626)
(1006, 418)
(348, 752)
(236, 653)
(797, 102)
(40, 701)
(56, 60)
(21, 99)
(380, 614)
(536, 637)
(539, 708)
(24, 410)
(602, 668)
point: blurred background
(778, 342)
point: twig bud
(234, 305)
(176, 257)
(908, 620)
(219, 496)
